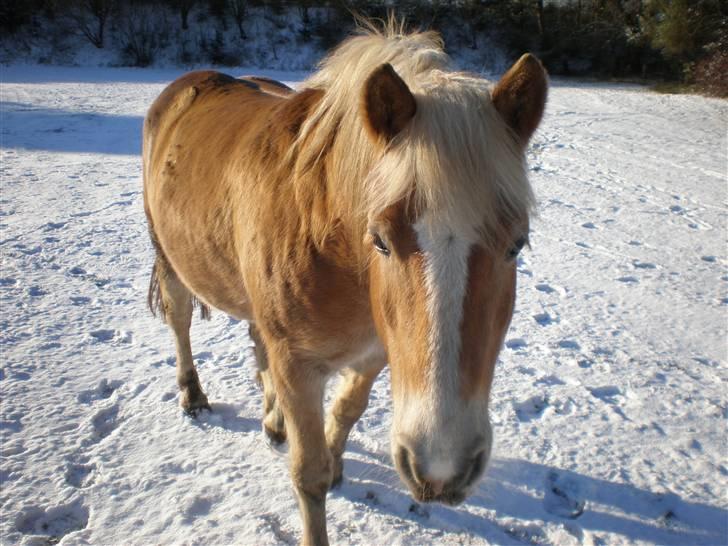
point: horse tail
(161, 268)
(154, 295)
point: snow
(609, 403)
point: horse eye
(379, 245)
(516, 248)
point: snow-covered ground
(609, 403)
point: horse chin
(449, 498)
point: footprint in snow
(55, 522)
(589, 225)
(102, 391)
(80, 476)
(281, 534)
(643, 265)
(543, 319)
(419, 510)
(531, 408)
(608, 394)
(563, 496)
(569, 344)
(709, 259)
(549, 380)
(7, 281)
(104, 423)
(545, 288)
(371, 497)
(102, 335)
(628, 279)
(516, 344)
(107, 336)
(36, 291)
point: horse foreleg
(351, 401)
(177, 302)
(273, 421)
(299, 389)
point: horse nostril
(404, 460)
(477, 466)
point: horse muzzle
(434, 486)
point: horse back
(193, 131)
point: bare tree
(183, 7)
(239, 9)
(539, 17)
(91, 17)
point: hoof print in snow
(107, 336)
(543, 319)
(102, 335)
(668, 519)
(516, 344)
(562, 497)
(531, 408)
(80, 476)
(273, 523)
(105, 422)
(371, 497)
(545, 288)
(419, 510)
(36, 292)
(102, 391)
(608, 394)
(54, 523)
(569, 344)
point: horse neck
(329, 197)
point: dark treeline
(676, 40)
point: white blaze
(435, 416)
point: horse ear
(387, 103)
(520, 96)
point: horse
(373, 216)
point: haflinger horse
(373, 216)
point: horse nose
(439, 479)
(426, 485)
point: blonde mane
(457, 158)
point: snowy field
(609, 404)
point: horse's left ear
(387, 103)
(520, 96)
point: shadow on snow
(516, 493)
(29, 127)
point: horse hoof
(194, 412)
(337, 481)
(194, 408)
(275, 437)
(280, 449)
